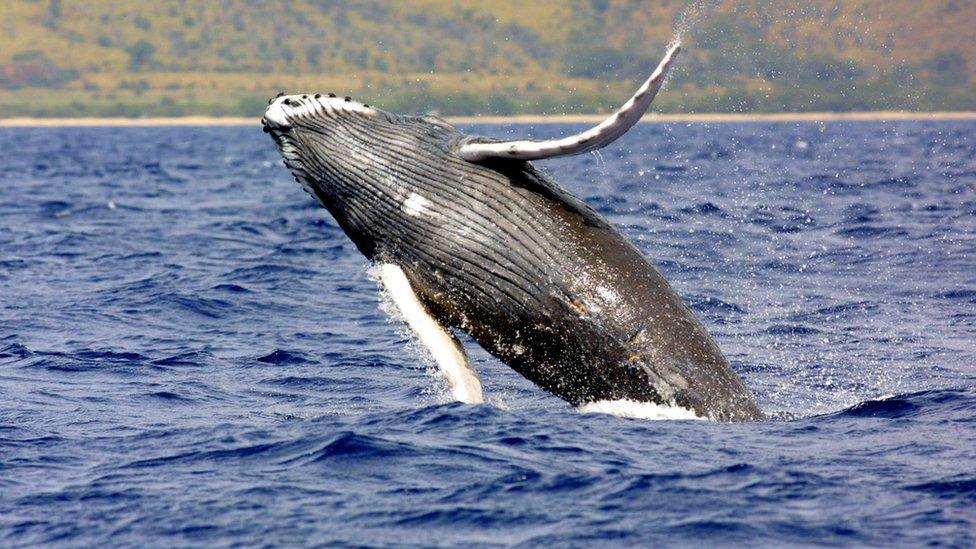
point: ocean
(193, 353)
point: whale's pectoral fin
(601, 135)
(446, 350)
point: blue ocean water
(191, 352)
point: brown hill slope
(129, 57)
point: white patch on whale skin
(444, 348)
(608, 294)
(637, 410)
(275, 113)
(415, 205)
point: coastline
(877, 116)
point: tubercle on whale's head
(325, 114)
(285, 110)
(312, 125)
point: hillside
(129, 57)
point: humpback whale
(466, 234)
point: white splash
(637, 410)
(693, 13)
(415, 205)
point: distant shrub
(501, 104)
(252, 105)
(313, 55)
(949, 69)
(29, 55)
(135, 86)
(598, 62)
(168, 106)
(141, 54)
(32, 69)
(52, 16)
(826, 67)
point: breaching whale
(468, 235)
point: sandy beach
(520, 119)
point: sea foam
(637, 410)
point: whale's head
(366, 165)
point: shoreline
(876, 116)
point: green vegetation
(225, 57)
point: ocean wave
(207, 363)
